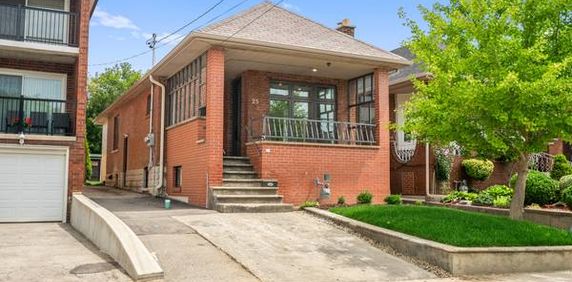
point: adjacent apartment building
(257, 112)
(43, 72)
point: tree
(103, 89)
(501, 79)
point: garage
(33, 183)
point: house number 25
(255, 101)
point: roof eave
(370, 60)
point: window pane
(325, 93)
(360, 86)
(42, 88)
(301, 91)
(368, 89)
(300, 110)
(278, 108)
(279, 89)
(48, 4)
(326, 112)
(10, 85)
(366, 113)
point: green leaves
(499, 89)
(103, 89)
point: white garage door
(32, 185)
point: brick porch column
(382, 121)
(215, 114)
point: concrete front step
(248, 199)
(253, 208)
(238, 167)
(235, 160)
(244, 182)
(236, 174)
(229, 190)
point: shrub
(561, 167)
(502, 202)
(478, 169)
(499, 191)
(540, 188)
(567, 197)
(418, 203)
(87, 161)
(484, 199)
(393, 200)
(443, 170)
(364, 197)
(458, 195)
(341, 200)
(565, 182)
(310, 204)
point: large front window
(302, 101)
(186, 92)
(33, 102)
(361, 99)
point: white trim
(400, 100)
(39, 137)
(66, 6)
(38, 74)
(40, 48)
(44, 150)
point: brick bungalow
(43, 73)
(248, 113)
(408, 157)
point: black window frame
(186, 92)
(313, 99)
(362, 99)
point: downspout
(162, 148)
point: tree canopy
(103, 89)
(501, 76)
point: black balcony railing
(34, 116)
(21, 23)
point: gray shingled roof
(280, 26)
(407, 71)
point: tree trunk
(517, 204)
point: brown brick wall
(76, 95)
(295, 166)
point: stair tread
(235, 164)
(249, 196)
(236, 158)
(255, 204)
(239, 172)
(244, 188)
(247, 180)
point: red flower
(28, 122)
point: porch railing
(316, 131)
(34, 116)
(22, 23)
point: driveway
(183, 254)
(52, 252)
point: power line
(166, 43)
(191, 22)
(183, 35)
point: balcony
(29, 24)
(315, 131)
(33, 116)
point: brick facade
(76, 95)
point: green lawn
(455, 227)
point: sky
(120, 28)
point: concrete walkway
(52, 252)
(183, 254)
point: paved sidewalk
(183, 254)
(52, 252)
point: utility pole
(151, 43)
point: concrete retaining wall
(461, 260)
(113, 237)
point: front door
(125, 157)
(236, 117)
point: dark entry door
(125, 154)
(236, 117)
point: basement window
(177, 178)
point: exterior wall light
(21, 138)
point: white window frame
(36, 74)
(400, 101)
